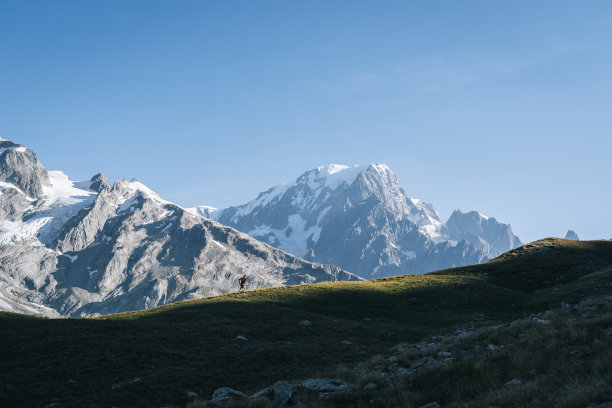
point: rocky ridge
(91, 248)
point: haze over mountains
(360, 219)
(88, 248)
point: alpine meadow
(315, 204)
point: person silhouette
(243, 282)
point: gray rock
(326, 384)
(403, 372)
(226, 394)
(13, 203)
(602, 405)
(422, 362)
(515, 381)
(370, 386)
(606, 333)
(283, 389)
(99, 182)
(20, 166)
(465, 353)
(431, 405)
(240, 337)
(192, 395)
(291, 395)
(265, 393)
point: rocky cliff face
(20, 167)
(89, 248)
(484, 233)
(362, 220)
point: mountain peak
(484, 233)
(332, 168)
(571, 235)
(99, 182)
(20, 167)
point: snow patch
(91, 272)
(333, 168)
(20, 149)
(261, 201)
(128, 205)
(83, 185)
(333, 175)
(61, 201)
(12, 232)
(482, 215)
(135, 186)
(409, 254)
(297, 241)
(205, 211)
(4, 185)
(72, 258)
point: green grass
(192, 346)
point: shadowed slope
(151, 357)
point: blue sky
(501, 107)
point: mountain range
(362, 220)
(89, 248)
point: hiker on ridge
(242, 282)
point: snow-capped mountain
(87, 248)
(360, 219)
(484, 233)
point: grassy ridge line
(192, 345)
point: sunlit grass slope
(152, 357)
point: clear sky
(501, 107)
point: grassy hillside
(151, 358)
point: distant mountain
(484, 233)
(89, 248)
(571, 235)
(360, 219)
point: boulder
(326, 384)
(283, 390)
(403, 372)
(265, 393)
(226, 394)
(422, 362)
(606, 333)
(515, 381)
(431, 405)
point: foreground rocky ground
(559, 358)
